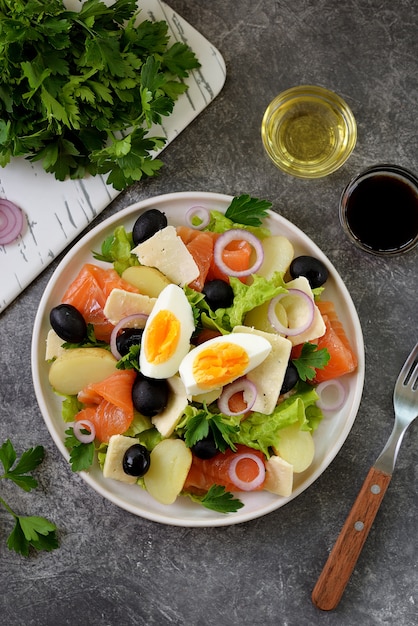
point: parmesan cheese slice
(279, 476)
(269, 375)
(53, 347)
(166, 421)
(113, 465)
(168, 253)
(317, 328)
(121, 303)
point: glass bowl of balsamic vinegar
(379, 210)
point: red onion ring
(201, 213)
(241, 384)
(338, 395)
(241, 484)
(285, 330)
(11, 221)
(84, 425)
(127, 322)
(234, 235)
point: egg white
(173, 299)
(256, 347)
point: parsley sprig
(81, 454)
(81, 89)
(200, 425)
(29, 530)
(247, 210)
(218, 499)
(311, 358)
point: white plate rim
(140, 504)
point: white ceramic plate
(329, 437)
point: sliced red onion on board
(11, 221)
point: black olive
(291, 377)
(147, 225)
(313, 269)
(218, 293)
(205, 448)
(150, 395)
(68, 323)
(128, 337)
(136, 460)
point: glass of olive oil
(308, 131)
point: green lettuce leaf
(220, 224)
(262, 432)
(246, 298)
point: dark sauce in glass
(382, 211)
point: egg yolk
(219, 365)
(162, 338)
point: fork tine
(409, 369)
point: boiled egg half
(221, 360)
(167, 333)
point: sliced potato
(278, 255)
(258, 318)
(170, 463)
(148, 280)
(297, 447)
(75, 369)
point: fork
(343, 557)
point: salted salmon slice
(327, 308)
(116, 388)
(236, 255)
(107, 418)
(204, 473)
(343, 359)
(88, 293)
(200, 246)
(109, 404)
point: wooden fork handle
(343, 556)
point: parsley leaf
(89, 342)
(248, 211)
(29, 461)
(310, 360)
(130, 360)
(203, 422)
(33, 531)
(29, 530)
(217, 499)
(81, 454)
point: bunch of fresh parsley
(29, 531)
(80, 89)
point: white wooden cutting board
(57, 212)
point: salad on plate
(198, 360)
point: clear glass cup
(379, 210)
(308, 131)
